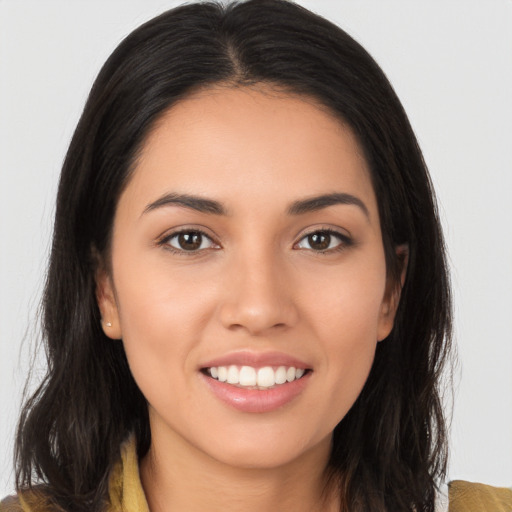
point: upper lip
(256, 360)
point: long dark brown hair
(390, 449)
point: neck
(200, 483)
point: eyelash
(165, 241)
(344, 241)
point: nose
(259, 297)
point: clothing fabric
(126, 493)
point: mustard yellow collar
(125, 488)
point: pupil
(189, 241)
(319, 241)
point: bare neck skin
(200, 483)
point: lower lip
(257, 400)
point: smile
(256, 382)
(255, 378)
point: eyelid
(163, 240)
(345, 238)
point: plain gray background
(450, 63)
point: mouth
(249, 377)
(251, 382)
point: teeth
(266, 377)
(247, 376)
(222, 373)
(233, 375)
(281, 375)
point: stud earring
(108, 324)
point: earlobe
(393, 292)
(107, 304)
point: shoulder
(11, 504)
(473, 497)
(34, 500)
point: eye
(189, 241)
(323, 240)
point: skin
(259, 285)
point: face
(248, 279)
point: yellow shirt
(126, 493)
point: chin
(257, 452)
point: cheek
(155, 296)
(346, 318)
(347, 306)
(162, 314)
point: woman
(247, 302)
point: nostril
(257, 308)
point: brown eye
(323, 241)
(319, 241)
(190, 241)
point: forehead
(252, 142)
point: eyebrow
(300, 207)
(316, 203)
(197, 203)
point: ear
(391, 299)
(107, 304)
